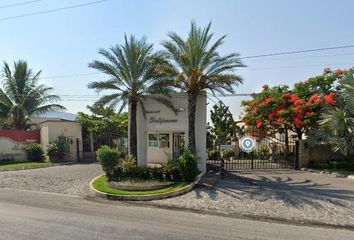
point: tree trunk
(192, 104)
(287, 140)
(299, 134)
(133, 129)
(19, 120)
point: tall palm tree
(22, 96)
(196, 65)
(336, 124)
(132, 78)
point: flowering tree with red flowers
(279, 109)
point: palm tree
(336, 124)
(22, 97)
(131, 68)
(196, 65)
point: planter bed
(139, 186)
(100, 187)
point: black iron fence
(277, 151)
(89, 144)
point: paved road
(33, 216)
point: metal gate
(88, 146)
(178, 144)
(277, 151)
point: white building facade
(163, 134)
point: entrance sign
(247, 143)
(226, 147)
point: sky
(62, 43)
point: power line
(297, 66)
(70, 75)
(256, 56)
(298, 51)
(243, 69)
(302, 57)
(53, 10)
(19, 4)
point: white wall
(12, 151)
(50, 131)
(179, 123)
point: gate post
(222, 166)
(252, 160)
(78, 149)
(297, 145)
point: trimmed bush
(109, 160)
(35, 152)
(214, 154)
(188, 165)
(227, 153)
(58, 149)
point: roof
(40, 120)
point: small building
(51, 129)
(162, 134)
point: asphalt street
(33, 215)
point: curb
(337, 175)
(175, 193)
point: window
(164, 140)
(153, 140)
(160, 140)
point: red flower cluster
(329, 99)
(297, 120)
(339, 71)
(314, 99)
(289, 110)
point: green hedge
(35, 152)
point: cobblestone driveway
(68, 179)
(291, 195)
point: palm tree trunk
(133, 129)
(192, 105)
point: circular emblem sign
(247, 143)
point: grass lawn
(23, 165)
(100, 184)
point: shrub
(227, 153)
(109, 160)
(57, 150)
(128, 163)
(214, 154)
(35, 152)
(157, 173)
(140, 172)
(172, 170)
(188, 165)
